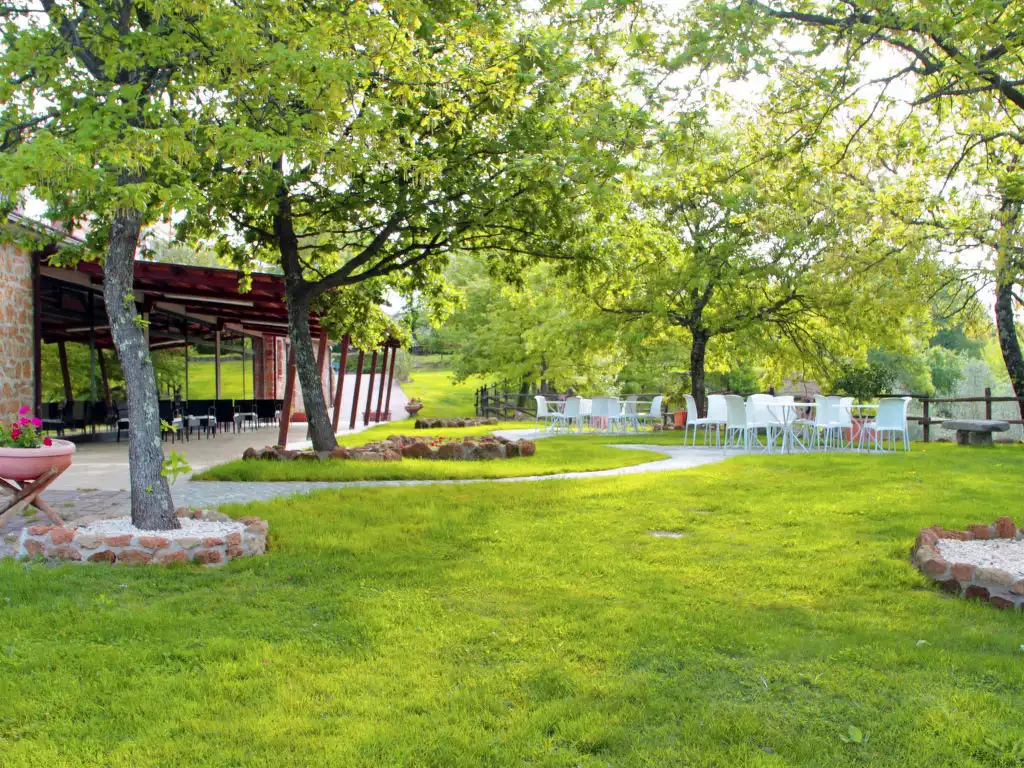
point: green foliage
(540, 623)
(174, 466)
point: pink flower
(37, 422)
(47, 442)
(15, 433)
(23, 421)
(23, 410)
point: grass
(441, 398)
(202, 380)
(554, 455)
(541, 624)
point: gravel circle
(189, 528)
(1005, 554)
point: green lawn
(540, 624)
(202, 380)
(554, 455)
(441, 398)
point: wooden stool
(18, 498)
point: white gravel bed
(1005, 554)
(189, 528)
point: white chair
(585, 410)
(569, 416)
(891, 420)
(653, 416)
(737, 429)
(630, 414)
(718, 416)
(761, 416)
(544, 414)
(826, 424)
(602, 411)
(846, 420)
(693, 419)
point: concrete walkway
(103, 464)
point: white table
(787, 414)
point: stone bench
(975, 431)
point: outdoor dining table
(787, 414)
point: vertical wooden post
(289, 395)
(37, 335)
(380, 391)
(343, 363)
(273, 357)
(925, 421)
(216, 364)
(369, 389)
(92, 351)
(186, 357)
(988, 403)
(103, 376)
(391, 379)
(65, 374)
(355, 392)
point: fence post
(925, 421)
(988, 403)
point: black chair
(200, 414)
(50, 415)
(120, 417)
(245, 413)
(224, 412)
(97, 415)
(266, 412)
(172, 417)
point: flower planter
(412, 410)
(299, 417)
(29, 463)
(679, 418)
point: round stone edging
(992, 585)
(58, 543)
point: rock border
(398, 447)
(61, 544)
(991, 585)
(490, 421)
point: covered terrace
(184, 306)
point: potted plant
(413, 406)
(25, 454)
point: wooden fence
(926, 419)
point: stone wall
(992, 585)
(17, 356)
(84, 546)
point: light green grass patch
(442, 399)
(541, 624)
(554, 455)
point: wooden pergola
(184, 304)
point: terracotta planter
(299, 417)
(29, 463)
(679, 418)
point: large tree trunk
(697, 354)
(1008, 341)
(320, 431)
(152, 506)
(299, 297)
(1008, 267)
